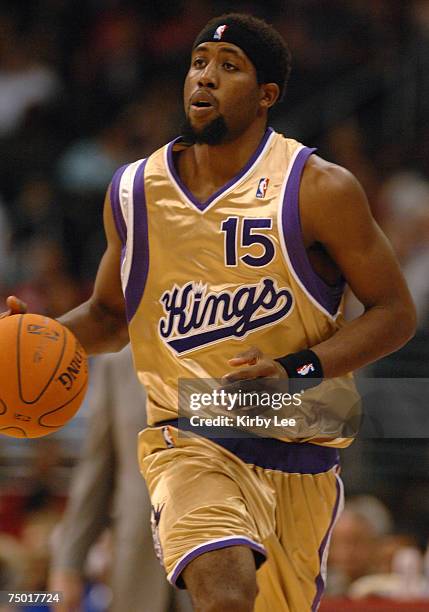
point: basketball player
(231, 246)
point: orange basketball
(43, 375)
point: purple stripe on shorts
(328, 296)
(140, 262)
(203, 205)
(259, 551)
(320, 584)
(116, 205)
(290, 457)
(267, 453)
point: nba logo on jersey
(262, 188)
(219, 32)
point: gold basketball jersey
(204, 280)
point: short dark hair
(265, 47)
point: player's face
(221, 88)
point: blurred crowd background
(88, 85)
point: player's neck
(213, 166)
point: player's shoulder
(154, 155)
(326, 186)
(320, 178)
(325, 178)
(331, 198)
(129, 170)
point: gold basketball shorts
(280, 499)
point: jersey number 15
(245, 233)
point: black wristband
(303, 369)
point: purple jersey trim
(320, 583)
(269, 453)
(116, 204)
(259, 553)
(140, 262)
(203, 205)
(328, 296)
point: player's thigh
(223, 579)
(197, 506)
(307, 508)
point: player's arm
(100, 323)
(336, 214)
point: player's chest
(240, 227)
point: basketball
(43, 375)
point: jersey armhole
(326, 298)
(115, 203)
(135, 262)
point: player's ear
(270, 93)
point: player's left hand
(256, 365)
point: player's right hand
(15, 306)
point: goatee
(214, 133)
